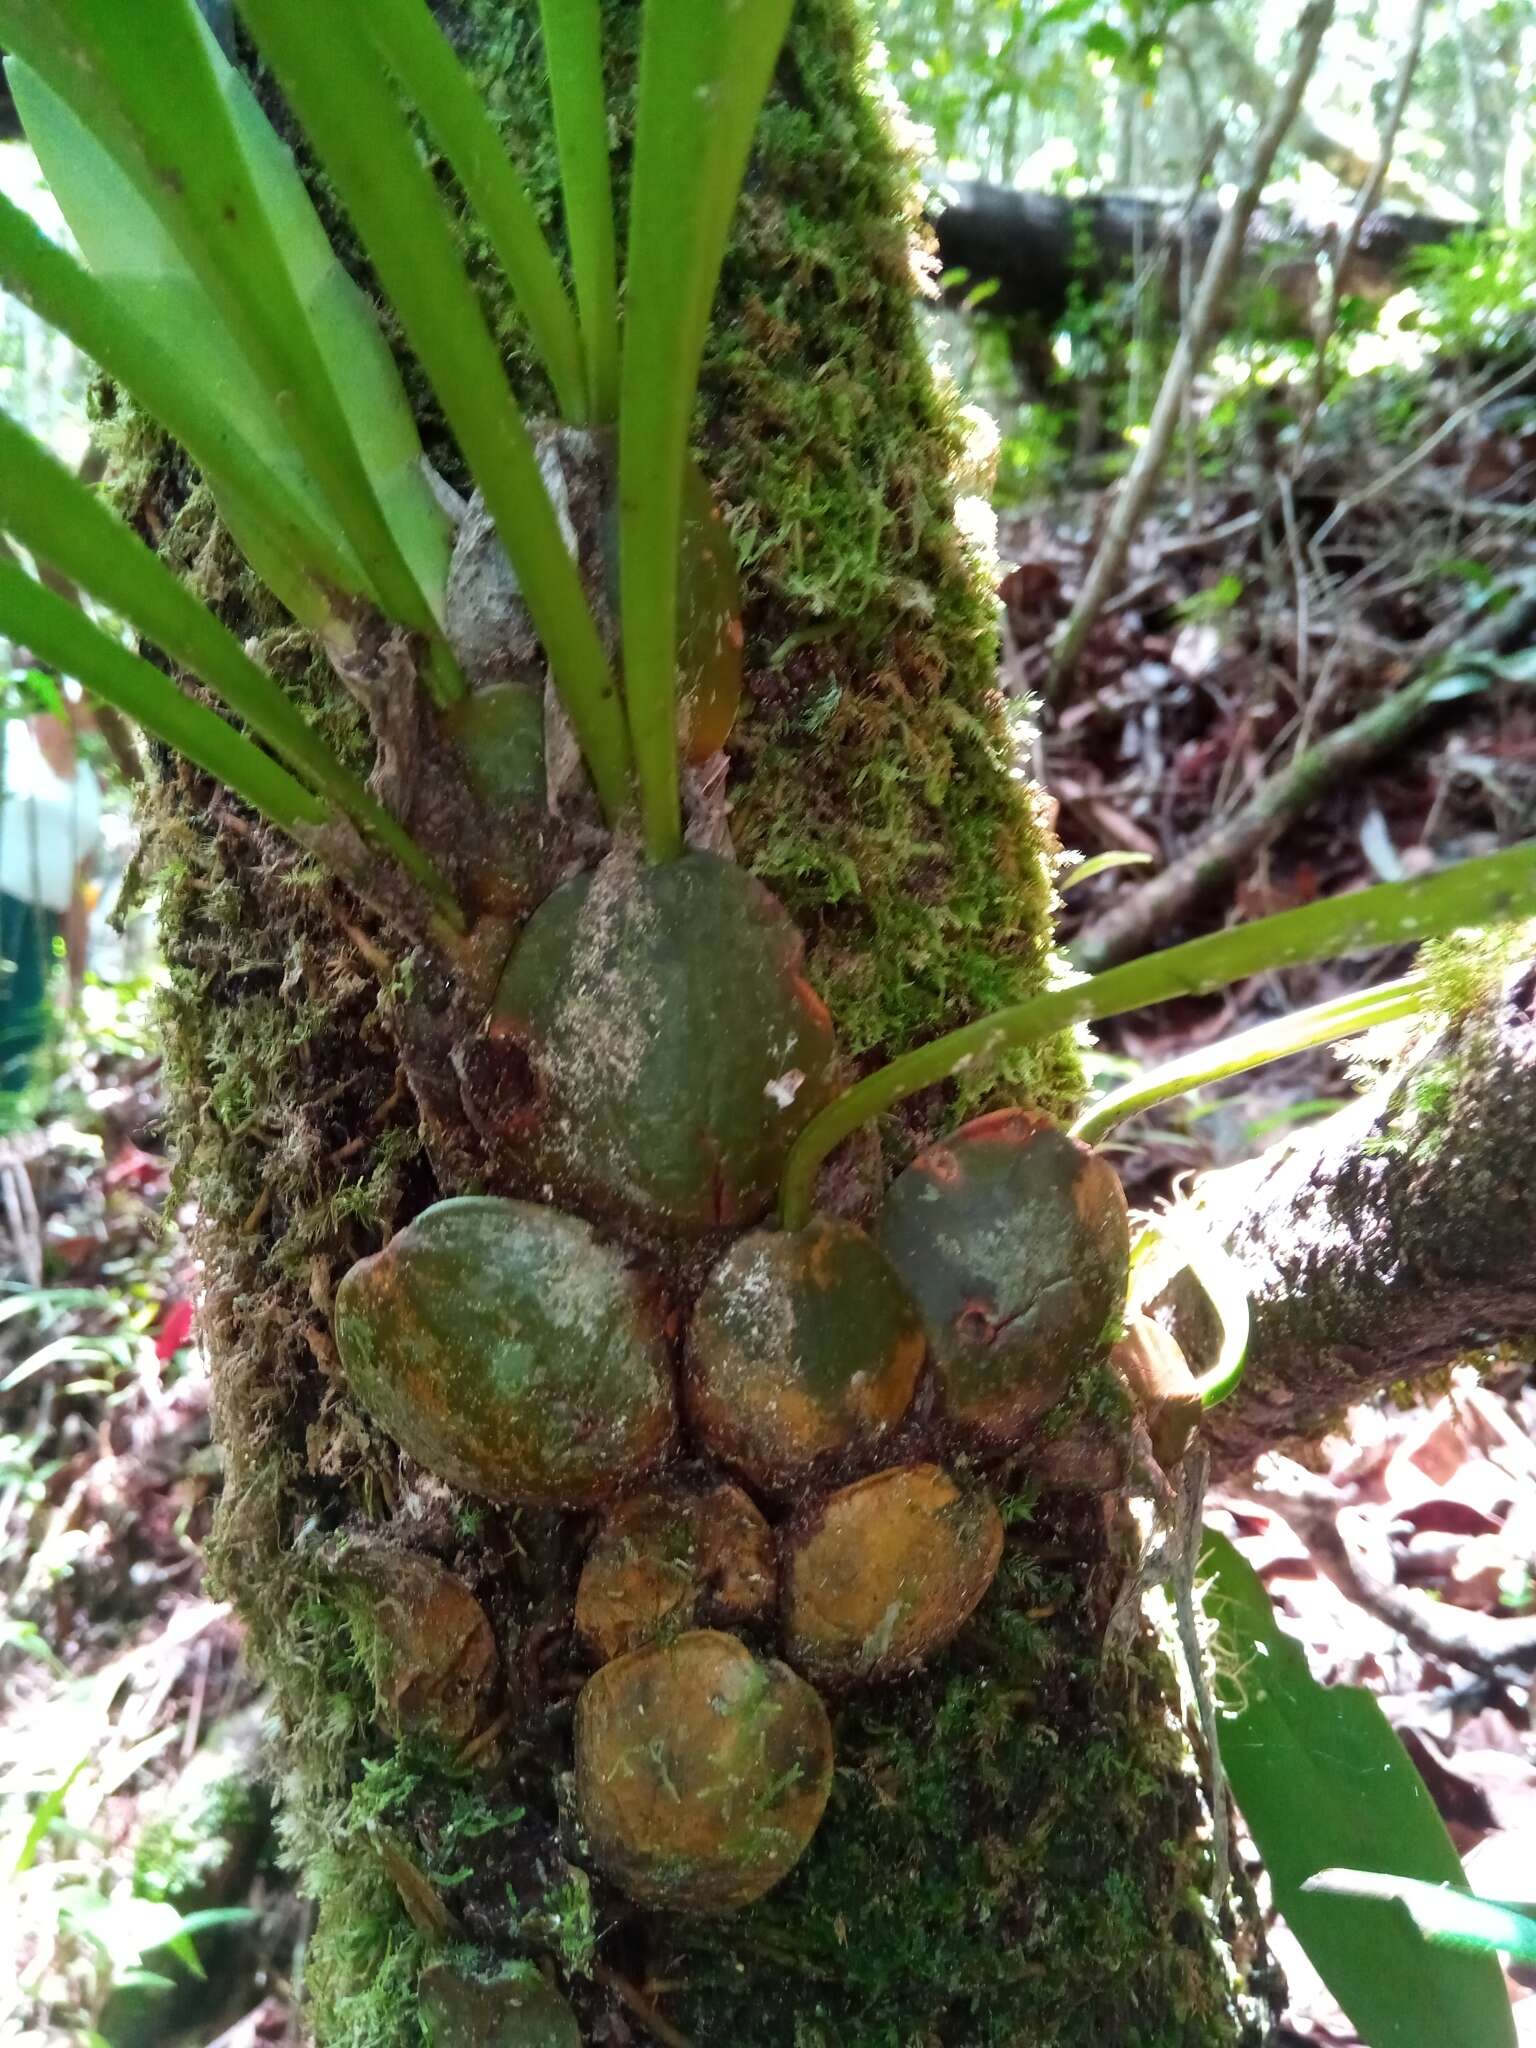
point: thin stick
(1277, 803)
(1487, 396)
(642, 2008)
(1326, 316)
(1215, 281)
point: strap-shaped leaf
(351, 116)
(704, 69)
(430, 74)
(573, 52)
(1439, 1914)
(1321, 1024)
(1323, 1780)
(60, 634)
(63, 523)
(270, 513)
(178, 124)
(1491, 890)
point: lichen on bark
(1011, 1854)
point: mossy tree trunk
(1013, 1852)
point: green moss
(1007, 1860)
(1008, 1857)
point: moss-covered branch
(1394, 1238)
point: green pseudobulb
(674, 1047)
(511, 1352)
(1014, 1241)
(804, 1345)
(519, 2011)
(701, 1771)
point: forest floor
(1260, 615)
(135, 1838)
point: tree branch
(1139, 919)
(1389, 1240)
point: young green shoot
(705, 67)
(430, 75)
(573, 54)
(1322, 1024)
(360, 134)
(58, 290)
(155, 103)
(66, 525)
(1491, 890)
(1220, 1278)
(60, 634)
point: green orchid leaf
(1439, 1915)
(1491, 890)
(272, 514)
(705, 67)
(65, 524)
(1322, 1780)
(60, 634)
(429, 73)
(573, 51)
(354, 121)
(238, 249)
(1325, 1023)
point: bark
(1013, 1853)
(1393, 1239)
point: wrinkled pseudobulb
(1015, 1242)
(674, 1049)
(511, 1351)
(422, 1634)
(666, 1558)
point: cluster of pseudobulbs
(789, 1488)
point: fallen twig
(1215, 281)
(1351, 1550)
(1143, 917)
